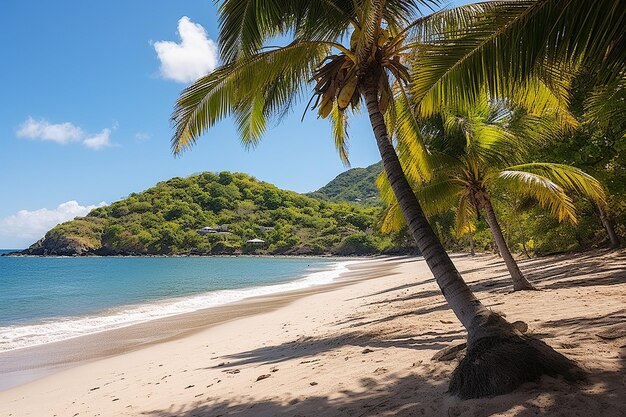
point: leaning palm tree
(350, 52)
(474, 151)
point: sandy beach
(360, 347)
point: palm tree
(549, 40)
(350, 52)
(476, 150)
(605, 111)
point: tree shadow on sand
(419, 394)
(594, 269)
(391, 396)
(556, 271)
(310, 347)
(411, 395)
(544, 273)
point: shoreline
(43, 330)
(225, 255)
(23, 365)
(362, 349)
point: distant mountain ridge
(356, 185)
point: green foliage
(85, 231)
(359, 244)
(354, 185)
(165, 219)
(466, 156)
(271, 199)
(502, 45)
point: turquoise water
(49, 299)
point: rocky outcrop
(59, 246)
(68, 246)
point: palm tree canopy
(333, 48)
(606, 106)
(500, 45)
(474, 150)
(330, 45)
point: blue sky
(85, 109)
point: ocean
(44, 300)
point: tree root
(499, 364)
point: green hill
(168, 219)
(355, 185)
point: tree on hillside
(476, 153)
(354, 51)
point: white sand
(362, 350)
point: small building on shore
(255, 242)
(206, 230)
(221, 229)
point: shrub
(358, 244)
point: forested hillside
(354, 185)
(167, 218)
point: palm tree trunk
(519, 280)
(610, 231)
(472, 244)
(499, 358)
(458, 295)
(525, 249)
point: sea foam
(22, 336)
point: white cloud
(41, 129)
(193, 57)
(64, 133)
(142, 136)
(99, 140)
(25, 227)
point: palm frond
(499, 45)
(412, 151)
(399, 13)
(479, 134)
(370, 19)
(465, 216)
(245, 25)
(548, 194)
(250, 118)
(392, 219)
(438, 196)
(254, 89)
(492, 145)
(606, 106)
(384, 189)
(339, 120)
(435, 198)
(569, 178)
(451, 40)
